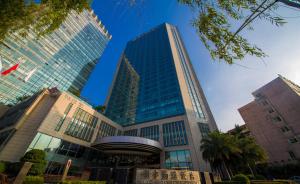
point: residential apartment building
(62, 59)
(273, 119)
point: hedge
(241, 178)
(2, 167)
(33, 180)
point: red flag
(6, 72)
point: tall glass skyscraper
(156, 94)
(63, 59)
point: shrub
(2, 167)
(241, 178)
(37, 157)
(33, 180)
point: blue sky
(227, 87)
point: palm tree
(218, 149)
(251, 154)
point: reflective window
(146, 86)
(54, 145)
(179, 159)
(132, 132)
(62, 59)
(62, 119)
(192, 87)
(106, 130)
(204, 129)
(151, 132)
(174, 134)
(82, 125)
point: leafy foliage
(216, 21)
(2, 167)
(42, 17)
(243, 179)
(100, 108)
(37, 157)
(33, 180)
(232, 152)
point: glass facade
(157, 88)
(133, 132)
(123, 101)
(62, 119)
(106, 130)
(204, 129)
(195, 98)
(58, 152)
(63, 59)
(82, 125)
(151, 132)
(174, 134)
(179, 159)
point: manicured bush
(33, 180)
(243, 179)
(2, 167)
(84, 182)
(37, 157)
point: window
(270, 110)
(174, 134)
(285, 129)
(179, 159)
(292, 155)
(264, 103)
(62, 119)
(130, 132)
(276, 119)
(55, 145)
(204, 129)
(82, 125)
(293, 140)
(119, 133)
(151, 132)
(106, 130)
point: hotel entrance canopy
(127, 145)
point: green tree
(251, 153)
(42, 17)
(100, 108)
(218, 149)
(37, 157)
(216, 20)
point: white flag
(29, 74)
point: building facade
(156, 94)
(59, 123)
(62, 59)
(273, 119)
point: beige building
(66, 127)
(273, 118)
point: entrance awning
(127, 144)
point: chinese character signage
(166, 176)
